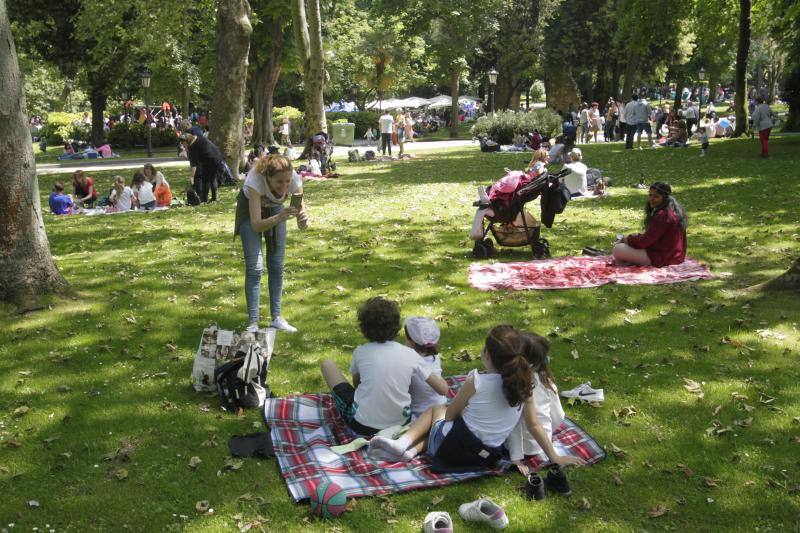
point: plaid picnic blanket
(579, 272)
(304, 427)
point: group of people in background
(148, 189)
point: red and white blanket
(578, 272)
(304, 427)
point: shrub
(500, 128)
(132, 135)
(60, 127)
(292, 113)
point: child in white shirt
(143, 197)
(121, 196)
(422, 334)
(520, 442)
(382, 370)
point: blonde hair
(273, 164)
(540, 155)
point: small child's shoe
(438, 522)
(556, 481)
(534, 487)
(486, 511)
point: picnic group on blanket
(148, 190)
(509, 408)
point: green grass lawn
(54, 152)
(105, 376)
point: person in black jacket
(205, 161)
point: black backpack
(192, 198)
(242, 381)
(369, 155)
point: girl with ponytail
(469, 433)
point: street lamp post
(146, 85)
(492, 83)
(69, 86)
(701, 75)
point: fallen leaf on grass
(749, 483)
(194, 462)
(658, 510)
(716, 410)
(694, 387)
(202, 506)
(575, 354)
(20, 411)
(617, 451)
(616, 480)
(744, 422)
(64, 388)
(680, 501)
(585, 504)
(710, 482)
(33, 504)
(24, 373)
(211, 442)
(436, 500)
(118, 473)
(685, 469)
(625, 412)
(246, 497)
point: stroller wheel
(541, 249)
(479, 251)
(489, 245)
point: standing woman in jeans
(762, 121)
(260, 211)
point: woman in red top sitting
(664, 241)
(83, 189)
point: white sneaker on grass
(281, 324)
(585, 392)
(437, 522)
(252, 328)
(486, 511)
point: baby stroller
(512, 225)
(322, 150)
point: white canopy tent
(415, 102)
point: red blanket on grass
(304, 427)
(578, 272)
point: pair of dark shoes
(556, 481)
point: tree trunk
(274, 65)
(233, 46)
(186, 92)
(601, 91)
(455, 76)
(99, 100)
(740, 100)
(616, 73)
(676, 105)
(308, 33)
(788, 281)
(27, 269)
(560, 89)
(631, 71)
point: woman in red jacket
(664, 241)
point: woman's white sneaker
(486, 511)
(281, 324)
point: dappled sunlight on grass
(116, 359)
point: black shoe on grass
(556, 481)
(534, 487)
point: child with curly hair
(382, 371)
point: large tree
(27, 269)
(227, 108)
(307, 21)
(740, 100)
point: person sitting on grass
(677, 135)
(143, 197)
(151, 174)
(575, 181)
(162, 191)
(83, 189)
(422, 334)
(520, 443)
(382, 371)
(664, 241)
(470, 432)
(60, 203)
(121, 197)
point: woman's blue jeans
(254, 264)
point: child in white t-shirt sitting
(121, 197)
(382, 370)
(422, 334)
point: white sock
(409, 454)
(392, 448)
(476, 233)
(482, 196)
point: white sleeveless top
(487, 413)
(551, 415)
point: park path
(339, 153)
